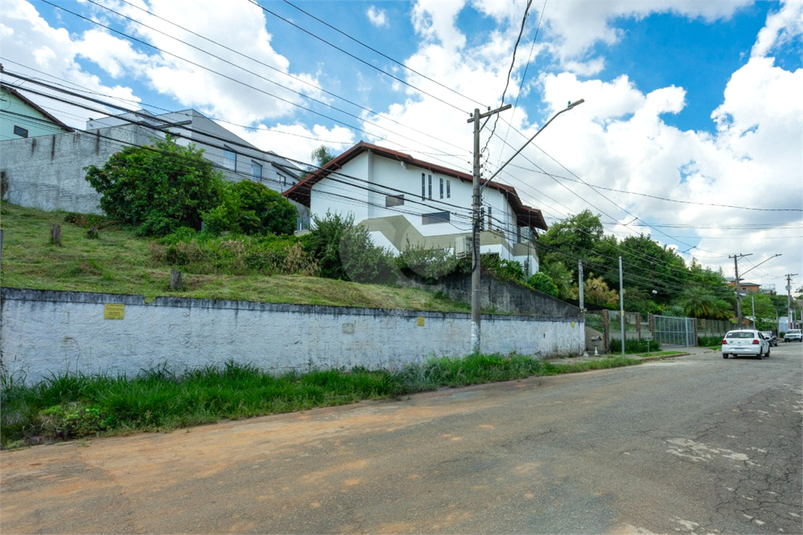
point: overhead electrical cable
(372, 49)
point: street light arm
(567, 108)
(754, 267)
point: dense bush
(510, 270)
(158, 188)
(345, 251)
(543, 283)
(204, 253)
(428, 263)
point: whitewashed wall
(44, 332)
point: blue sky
(691, 130)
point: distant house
(403, 200)
(21, 118)
(746, 287)
(231, 154)
(47, 172)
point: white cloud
(377, 17)
(34, 48)
(781, 27)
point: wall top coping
(60, 296)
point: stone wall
(44, 332)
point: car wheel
(768, 352)
(724, 355)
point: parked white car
(745, 342)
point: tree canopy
(159, 188)
(166, 186)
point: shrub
(708, 341)
(345, 251)
(636, 346)
(157, 188)
(262, 210)
(510, 270)
(543, 283)
(429, 263)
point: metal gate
(674, 331)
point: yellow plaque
(113, 312)
(420, 321)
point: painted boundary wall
(44, 332)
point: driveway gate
(674, 331)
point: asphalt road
(697, 444)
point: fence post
(606, 331)
(651, 322)
(638, 325)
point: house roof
(11, 90)
(525, 215)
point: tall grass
(69, 406)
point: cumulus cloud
(782, 27)
(377, 17)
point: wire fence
(667, 330)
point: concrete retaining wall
(44, 332)
(47, 172)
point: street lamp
(476, 205)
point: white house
(21, 118)
(403, 200)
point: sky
(691, 130)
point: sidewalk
(684, 351)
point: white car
(792, 335)
(745, 342)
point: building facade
(22, 118)
(407, 202)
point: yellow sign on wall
(420, 321)
(113, 311)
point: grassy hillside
(120, 262)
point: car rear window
(740, 335)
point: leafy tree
(159, 188)
(262, 210)
(543, 283)
(322, 155)
(561, 277)
(596, 290)
(570, 239)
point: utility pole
(621, 305)
(580, 283)
(789, 298)
(476, 205)
(736, 258)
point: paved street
(696, 444)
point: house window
(490, 219)
(434, 218)
(394, 200)
(20, 131)
(429, 182)
(441, 188)
(256, 171)
(282, 180)
(448, 189)
(423, 186)
(230, 159)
